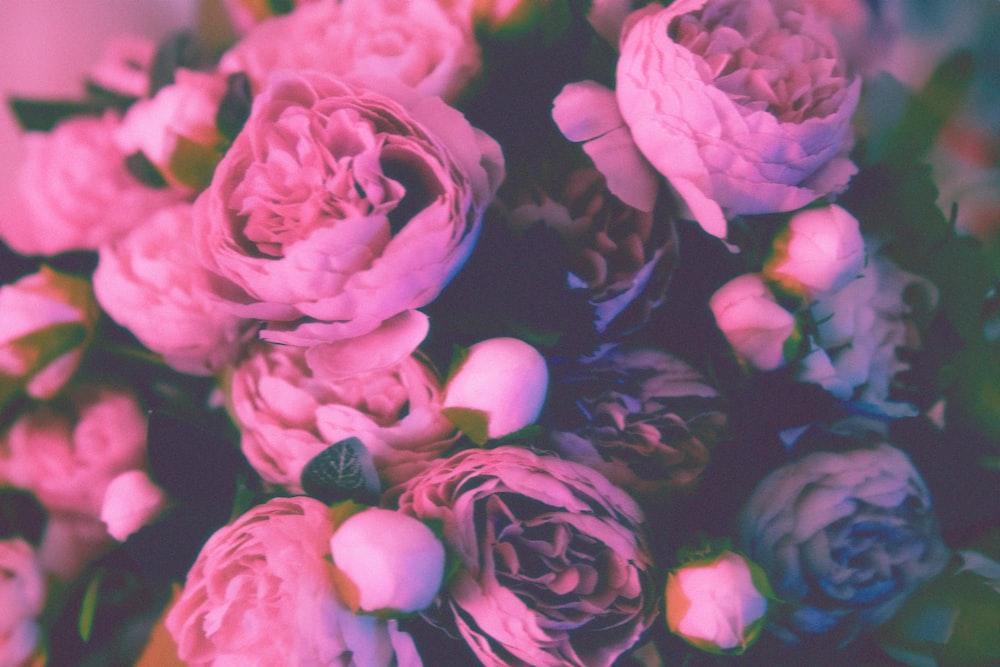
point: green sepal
(473, 423)
(344, 510)
(192, 163)
(459, 355)
(40, 348)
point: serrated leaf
(342, 471)
(473, 423)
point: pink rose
(47, 323)
(288, 415)
(66, 453)
(416, 43)
(744, 106)
(22, 597)
(261, 593)
(77, 190)
(553, 569)
(152, 284)
(338, 208)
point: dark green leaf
(144, 171)
(43, 115)
(180, 49)
(234, 110)
(280, 7)
(342, 471)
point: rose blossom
(22, 597)
(642, 417)
(553, 569)
(845, 538)
(287, 415)
(745, 107)
(753, 322)
(337, 208)
(261, 593)
(152, 284)
(418, 43)
(78, 192)
(32, 307)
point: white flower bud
(752, 321)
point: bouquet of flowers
(506, 332)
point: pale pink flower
(261, 593)
(417, 43)
(131, 501)
(152, 284)
(553, 567)
(77, 190)
(744, 106)
(753, 322)
(287, 414)
(22, 597)
(338, 208)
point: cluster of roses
(276, 218)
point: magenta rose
(77, 191)
(744, 106)
(419, 43)
(151, 283)
(22, 597)
(288, 414)
(338, 208)
(261, 593)
(553, 567)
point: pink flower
(287, 414)
(131, 501)
(753, 322)
(124, 65)
(22, 597)
(338, 208)
(553, 568)
(744, 106)
(261, 593)
(38, 345)
(78, 193)
(66, 453)
(152, 284)
(418, 43)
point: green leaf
(473, 423)
(43, 115)
(193, 163)
(144, 171)
(234, 109)
(88, 606)
(344, 470)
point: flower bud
(820, 251)
(48, 319)
(498, 389)
(755, 325)
(718, 604)
(131, 501)
(394, 562)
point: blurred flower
(288, 415)
(718, 603)
(125, 65)
(553, 565)
(48, 322)
(759, 329)
(498, 388)
(819, 252)
(394, 562)
(22, 597)
(78, 191)
(261, 593)
(245, 14)
(150, 283)
(745, 107)
(338, 208)
(642, 417)
(845, 538)
(131, 501)
(418, 43)
(621, 256)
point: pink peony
(744, 106)
(22, 597)
(757, 327)
(77, 191)
(37, 343)
(151, 283)
(288, 415)
(261, 593)
(417, 43)
(553, 569)
(338, 208)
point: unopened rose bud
(131, 501)
(394, 561)
(758, 329)
(499, 388)
(718, 604)
(820, 251)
